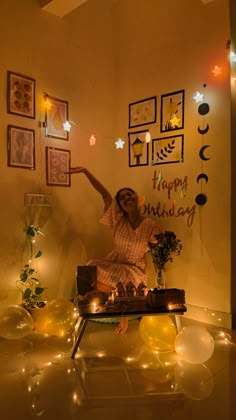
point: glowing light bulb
(75, 397)
(92, 140)
(47, 103)
(148, 137)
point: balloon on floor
(56, 318)
(194, 344)
(15, 322)
(158, 332)
(194, 380)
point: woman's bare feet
(123, 325)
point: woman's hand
(76, 170)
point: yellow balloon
(158, 332)
(56, 318)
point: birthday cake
(170, 299)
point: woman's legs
(123, 325)
(124, 320)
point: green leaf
(36, 280)
(27, 293)
(39, 253)
(24, 276)
(39, 290)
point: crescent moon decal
(202, 176)
(204, 130)
(201, 152)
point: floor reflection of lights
(114, 376)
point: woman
(131, 232)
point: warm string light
(119, 144)
(67, 125)
(148, 137)
(217, 71)
(92, 140)
(198, 97)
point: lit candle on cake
(94, 306)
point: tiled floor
(114, 377)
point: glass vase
(161, 279)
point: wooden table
(120, 307)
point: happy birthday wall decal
(170, 209)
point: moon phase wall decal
(203, 130)
(203, 109)
(202, 151)
(201, 199)
(202, 176)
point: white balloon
(15, 322)
(194, 344)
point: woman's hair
(117, 196)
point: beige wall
(164, 49)
(100, 58)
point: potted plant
(28, 284)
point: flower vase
(161, 279)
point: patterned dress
(126, 261)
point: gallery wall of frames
(167, 148)
(21, 149)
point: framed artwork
(143, 112)
(56, 114)
(168, 150)
(20, 95)
(38, 199)
(138, 148)
(57, 163)
(172, 111)
(21, 147)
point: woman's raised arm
(106, 196)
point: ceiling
(60, 8)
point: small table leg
(178, 323)
(81, 329)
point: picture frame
(56, 114)
(57, 163)
(172, 111)
(20, 95)
(138, 148)
(20, 147)
(143, 112)
(38, 199)
(168, 150)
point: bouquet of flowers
(164, 250)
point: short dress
(126, 261)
